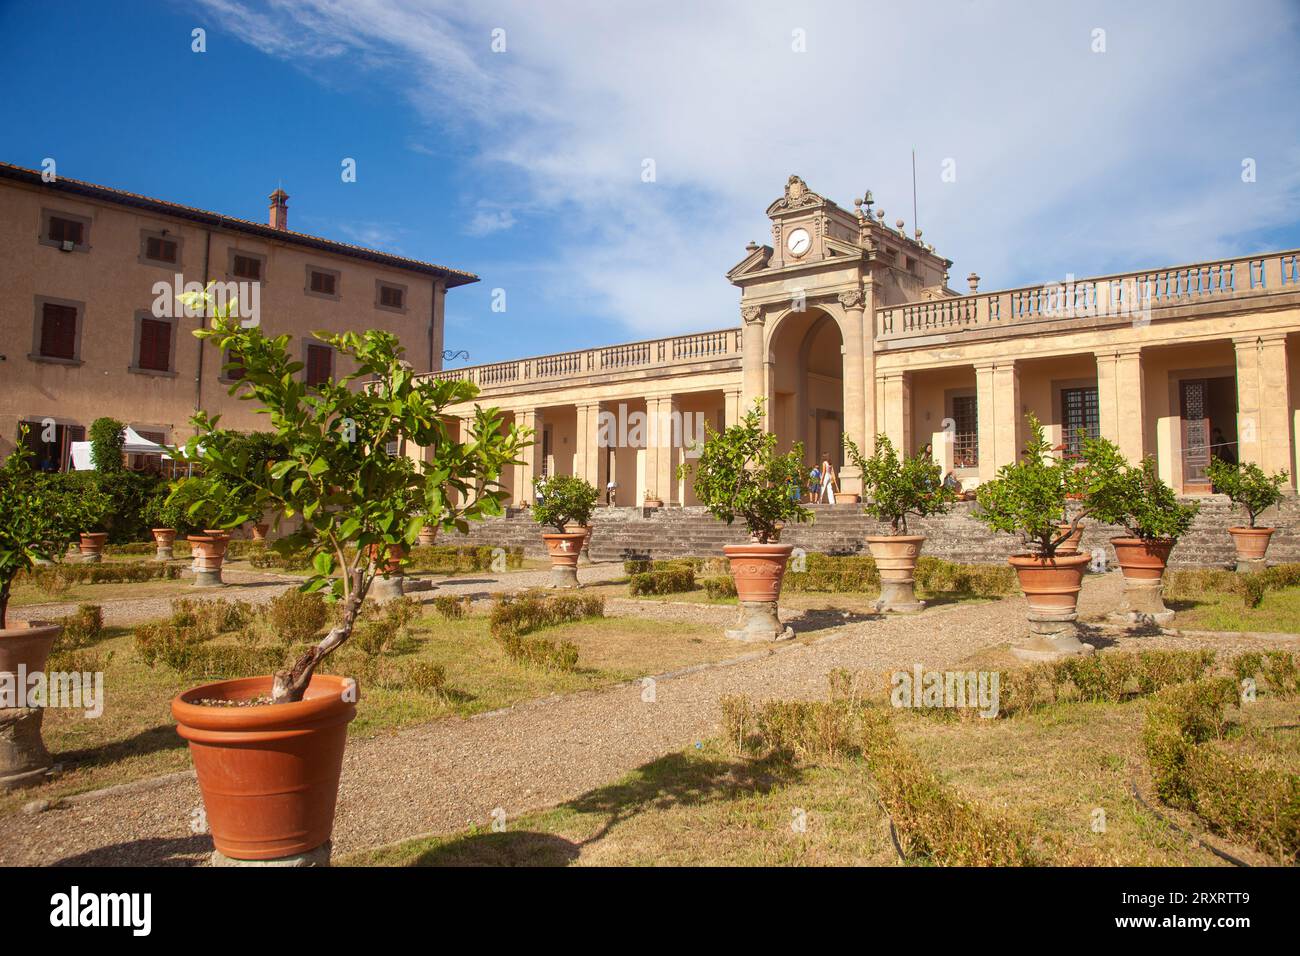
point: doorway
(1208, 410)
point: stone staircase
(841, 529)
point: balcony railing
(1129, 296)
(633, 356)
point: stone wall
(676, 532)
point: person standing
(815, 484)
(829, 481)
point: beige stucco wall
(113, 283)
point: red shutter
(58, 331)
(155, 345)
(319, 360)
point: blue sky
(524, 165)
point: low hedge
(669, 581)
(1260, 805)
(1189, 584)
(56, 578)
(513, 615)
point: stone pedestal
(1251, 565)
(1052, 636)
(208, 579)
(23, 757)
(317, 857)
(91, 557)
(164, 553)
(385, 587)
(563, 576)
(899, 596)
(1143, 603)
(758, 621)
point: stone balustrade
(1126, 297)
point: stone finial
(898, 223)
(752, 246)
(974, 281)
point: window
(966, 436)
(389, 296)
(323, 283)
(154, 345)
(1079, 412)
(233, 367)
(64, 231)
(245, 265)
(165, 250)
(320, 364)
(57, 331)
(49, 443)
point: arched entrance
(806, 356)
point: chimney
(279, 210)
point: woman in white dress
(829, 481)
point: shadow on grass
(824, 618)
(671, 781)
(154, 740)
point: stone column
(754, 360)
(587, 454)
(661, 453)
(733, 406)
(998, 401)
(855, 402)
(1264, 431)
(531, 456)
(897, 411)
(1121, 398)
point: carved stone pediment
(797, 196)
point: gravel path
(442, 776)
(257, 587)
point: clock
(799, 242)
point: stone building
(85, 331)
(851, 326)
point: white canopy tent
(133, 444)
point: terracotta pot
(849, 499)
(758, 570)
(259, 531)
(1251, 545)
(209, 554)
(92, 547)
(1071, 544)
(269, 773)
(165, 542)
(895, 557)
(564, 550)
(1051, 585)
(1143, 564)
(24, 650)
(395, 555)
(654, 502)
(428, 535)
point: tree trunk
(289, 685)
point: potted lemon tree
(739, 474)
(1248, 486)
(896, 487)
(1135, 497)
(1027, 499)
(268, 749)
(39, 517)
(564, 500)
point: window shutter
(236, 363)
(318, 364)
(64, 230)
(58, 331)
(155, 345)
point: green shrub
(80, 628)
(540, 652)
(826, 572)
(637, 566)
(1259, 805)
(211, 616)
(295, 616)
(669, 581)
(513, 615)
(425, 677)
(1099, 676)
(1247, 485)
(719, 587)
(1159, 669)
(452, 606)
(56, 579)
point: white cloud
(488, 219)
(1067, 160)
